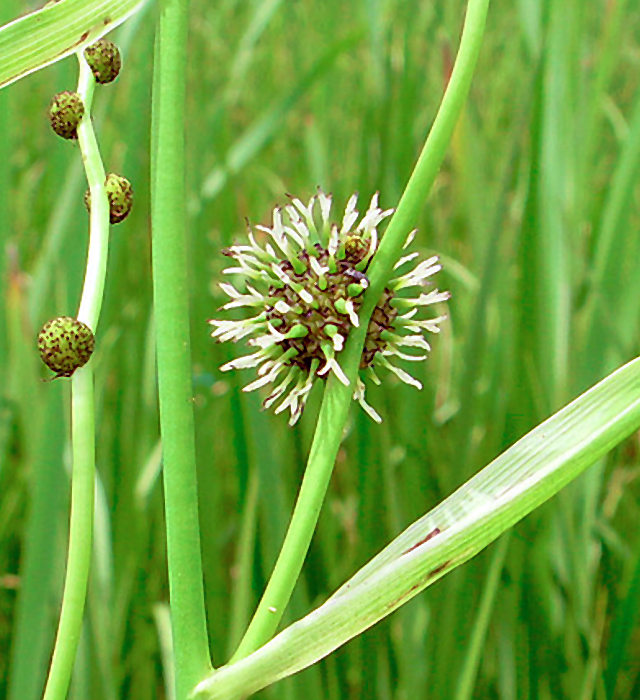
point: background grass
(536, 216)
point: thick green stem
(80, 535)
(170, 287)
(337, 398)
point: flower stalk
(82, 412)
(96, 272)
(80, 535)
(337, 396)
(170, 292)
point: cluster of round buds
(104, 60)
(65, 344)
(65, 113)
(305, 286)
(120, 195)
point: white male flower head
(305, 286)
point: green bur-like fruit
(120, 194)
(65, 344)
(65, 113)
(104, 60)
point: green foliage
(58, 29)
(536, 216)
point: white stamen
(358, 395)
(230, 290)
(410, 238)
(350, 214)
(406, 259)
(317, 268)
(282, 307)
(331, 364)
(281, 388)
(245, 361)
(334, 240)
(353, 316)
(413, 341)
(393, 350)
(325, 206)
(400, 373)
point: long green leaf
(522, 478)
(56, 31)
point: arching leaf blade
(55, 31)
(518, 481)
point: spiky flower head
(104, 60)
(65, 113)
(65, 344)
(305, 286)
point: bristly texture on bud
(65, 112)
(104, 60)
(120, 195)
(65, 344)
(305, 285)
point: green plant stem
(433, 153)
(337, 397)
(93, 289)
(80, 535)
(468, 671)
(82, 411)
(170, 287)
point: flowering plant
(306, 284)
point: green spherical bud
(65, 344)
(104, 60)
(355, 249)
(120, 195)
(65, 112)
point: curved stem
(337, 397)
(333, 416)
(432, 155)
(93, 289)
(82, 411)
(80, 535)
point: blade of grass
(7, 104)
(469, 670)
(521, 479)
(162, 617)
(242, 591)
(258, 135)
(55, 31)
(624, 622)
(611, 237)
(33, 633)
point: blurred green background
(536, 214)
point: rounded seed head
(65, 112)
(65, 344)
(120, 195)
(104, 60)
